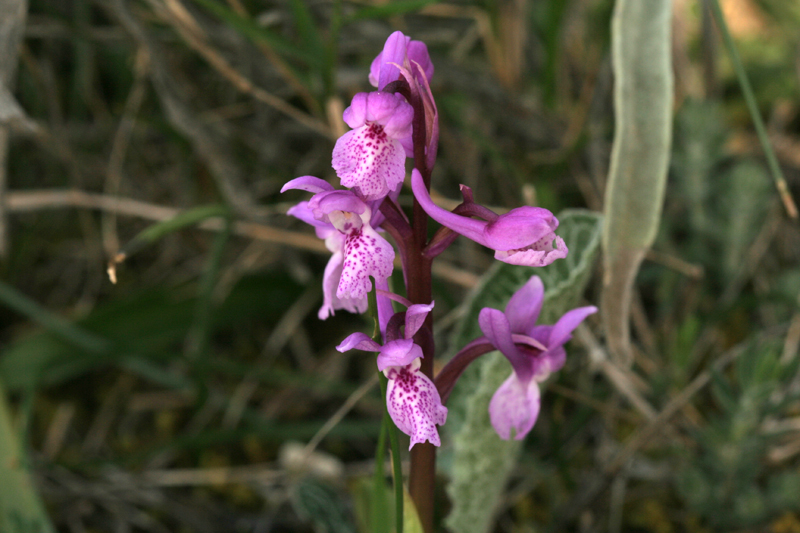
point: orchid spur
(412, 399)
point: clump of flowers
(399, 121)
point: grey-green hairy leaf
(640, 42)
(480, 462)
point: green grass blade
(258, 34)
(761, 131)
(21, 510)
(52, 322)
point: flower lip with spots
(343, 220)
(523, 236)
(534, 352)
(412, 399)
(370, 158)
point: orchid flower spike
(411, 397)
(534, 352)
(386, 67)
(370, 158)
(343, 221)
(523, 236)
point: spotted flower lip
(534, 352)
(343, 220)
(412, 399)
(385, 68)
(371, 157)
(523, 236)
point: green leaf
(481, 461)
(148, 325)
(411, 523)
(637, 177)
(21, 510)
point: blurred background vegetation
(201, 393)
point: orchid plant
(397, 122)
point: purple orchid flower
(523, 236)
(371, 157)
(411, 397)
(343, 221)
(534, 351)
(386, 67)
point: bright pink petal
(366, 254)
(417, 52)
(308, 183)
(415, 317)
(525, 305)
(520, 227)
(515, 405)
(330, 282)
(415, 405)
(548, 362)
(494, 325)
(562, 330)
(399, 353)
(394, 52)
(369, 161)
(304, 213)
(323, 203)
(359, 341)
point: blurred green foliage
(163, 403)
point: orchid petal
(304, 213)
(398, 353)
(525, 305)
(515, 405)
(495, 326)
(549, 362)
(415, 405)
(520, 227)
(365, 254)
(415, 317)
(308, 183)
(417, 52)
(369, 161)
(535, 257)
(394, 51)
(326, 202)
(330, 282)
(358, 341)
(562, 330)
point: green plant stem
(397, 468)
(761, 131)
(379, 483)
(198, 337)
(394, 439)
